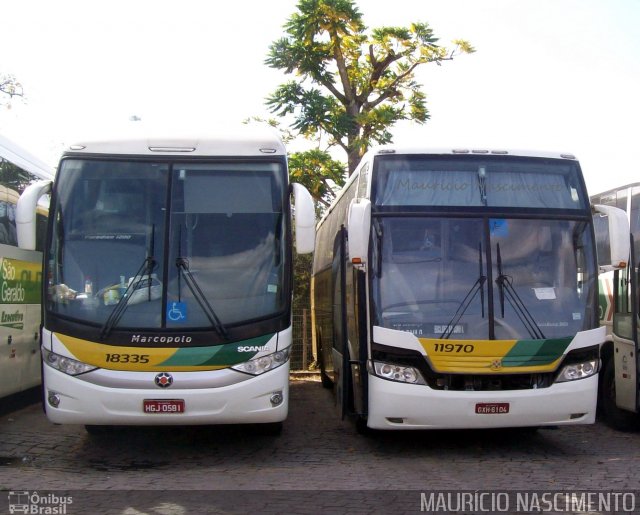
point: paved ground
(318, 465)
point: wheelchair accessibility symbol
(177, 312)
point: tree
(353, 85)
(10, 87)
(318, 172)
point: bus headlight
(263, 364)
(400, 373)
(64, 364)
(578, 371)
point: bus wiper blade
(478, 286)
(183, 266)
(143, 273)
(507, 291)
(462, 308)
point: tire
(324, 378)
(97, 431)
(613, 416)
(361, 426)
(270, 429)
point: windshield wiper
(478, 286)
(506, 289)
(143, 274)
(198, 294)
(147, 267)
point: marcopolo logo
(41, 504)
(12, 320)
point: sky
(559, 75)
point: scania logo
(164, 380)
(496, 364)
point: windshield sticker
(545, 293)
(177, 312)
(499, 227)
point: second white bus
(458, 289)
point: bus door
(625, 335)
(357, 332)
(349, 331)
(340, 350)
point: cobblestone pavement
(318, 465)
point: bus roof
(393, 149)
(615, 190)
(24, 159)
(245, 143)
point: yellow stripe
(139, 359)
(476, 357)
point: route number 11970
(454, 347)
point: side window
(622, 317)
(8, 234)
(634, 221)
(363, 181)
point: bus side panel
(19, 325)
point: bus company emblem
(496, 364)
(164, 380)
(253, 348)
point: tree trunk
(353, 160)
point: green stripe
(536, 352)
(220, 355)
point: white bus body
(458, 289)
(168, 282)
(21, 271)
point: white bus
(458, 289)
(619, 399)
(168, 282)
(21, 273)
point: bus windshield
(435, 277)
(156, 245)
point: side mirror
(305, 219)
(26, 213)
(358, 229)
(612, 237)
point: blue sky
(548, 74)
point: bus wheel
(361, 426)
(270, 429)
(97, 430)
(613, 416)
(324, 378)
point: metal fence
(301, 352)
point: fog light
(54, 399)
(276, 399)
